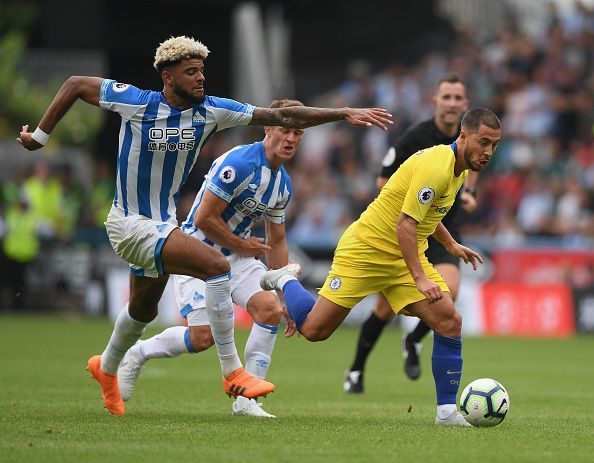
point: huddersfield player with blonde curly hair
(161, 136)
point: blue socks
(299, 302)
(447, 367)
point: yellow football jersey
(424, 187)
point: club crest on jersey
(119, 88)
(227, 175)
(335, 284)
(426, 195)
(198, 117)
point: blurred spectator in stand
(536, 207)
(20, 247)
(44, 195)
(11, 189)
(71, 201)
(572, 216)
(101, 196)
(323, 219)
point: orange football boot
(240, 382)
(112, 399)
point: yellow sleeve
(426, 184)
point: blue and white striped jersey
(243, 178)
(159, 144)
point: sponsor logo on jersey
(160, 139)
(335, 283)
(119, 88)
(227, 175)
(252, 208)
(426, 195)
(161, 227)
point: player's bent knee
(201, 342)
(315, 334)
(264, 308)
(450, 325)
(143, 309)
(217, 266)
(271, 315)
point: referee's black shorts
(437, 254)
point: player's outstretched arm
(76, 87)
(301, 117)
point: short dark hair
(476, 117)
(450, 78)
(285, 103)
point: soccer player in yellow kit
(383, 252)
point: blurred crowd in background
(540, 183)
(541, 180)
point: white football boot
(269, 280)
(249, 407)
(129, 371)
(455, 419)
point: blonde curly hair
(175, 49)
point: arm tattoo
(296, 117)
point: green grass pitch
(51, 411)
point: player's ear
(167, 78)
(267, 129)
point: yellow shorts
(359, 270)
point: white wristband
(40, 136)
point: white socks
(443, 411)
(219, 309)
(170, 343)
(258, 349)
(282, 281)
(125, 334)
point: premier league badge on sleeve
(426, 195)
(119, 88)
(227, 175)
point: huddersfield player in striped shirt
(161, 136)
(246, 184)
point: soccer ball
(484, 402)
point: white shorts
(245, 282)
(138, 240)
